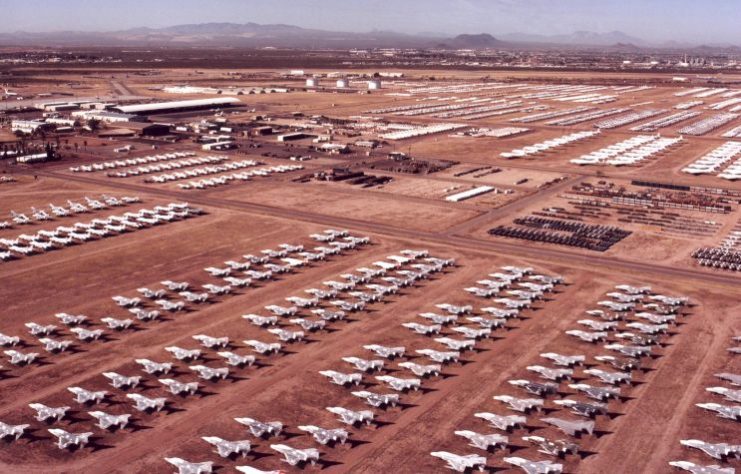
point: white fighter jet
(261, 429)
(550, 373)
(45, 413)
(443, 357)
(308, 325)
(147, 404)
(400, 384)
(39, 330)
(183, 354)
(53, 345)
(212, 342)
(286, 335)
(263, 347)
(723, 411)
(502, 422)
(21, 358)
(172, 306)
(187, 467)
(87, 335)
(329, 315)
(570, 427)
(83, 396)
(423, 329)
(152, 294)
(261, 321)
(228, 448)
(6, 340)
(699, 469)
(378, 400)
(117, 324)
(66, 439)
(295, 456)
(535, 467)
(180, 388)
(471, 333)
(154, 368)
(560, 447)
(525, 405)
(734, 379)
(71, 319)
(126, 302)
(455, 309)
(175, 285)
(457, 344)
(364, 365)
(193, 297)
(281, 310)
(210, 373)
(613, 378)
(721, 451)
(597, 393)
(536, 388)
(107, 421)
(652, 329)
(144, 315)
(461, 463)
(237, 360)
(490, 323)
(122, 381)
(588, 336)
(421, 370)
(385, 351)
(729, 394)
(483, 441)
(598, 325)
(589, 410)
(341, 379)
(351, 417)
(12, 431)
(326, 436)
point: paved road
(121, 89)
(556, 255)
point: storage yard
(258, 269)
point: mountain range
(253, 35)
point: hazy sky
(692, 21)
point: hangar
(177, 106)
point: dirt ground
(288, 387)
(644, 426)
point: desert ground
(641, 428)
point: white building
(312, 82)
(374, 84)
(224, 145)
(60, 121)
(103, 116)
(180, 105)
(25, 126)
(96, 105)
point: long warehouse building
(178, 105)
